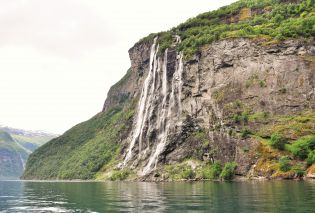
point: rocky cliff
(203, 104)
(181, 100)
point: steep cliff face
(233, 87)
(226, 79)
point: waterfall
(153, 69)
(143, 106)
(20, 156)
(22, 161)
(162, 112)
(165, 121)
(159, 110)
(180, 81)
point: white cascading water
(20, 156)
(180, 70)
(148, 103)
(165, 121)
(142, 107)
(22, 161)
(161, 98)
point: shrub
(258, 116)
(245, 133)
(243, 117)
(187, 173)
(298, 170)
(120, 175)
(279, 20)
(278, 141)
(179, 172)
(303, 146)
(237, 118)
(284, 164)
(212, 171)
(299, 173)
(228, 171)
(262, 83)
(311, 157)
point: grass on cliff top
(266, 19)
(83, 150)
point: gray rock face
(183, 98)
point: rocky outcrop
(130, 85)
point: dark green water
(256, 196)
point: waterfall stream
(143, 106)
(22, 161)
(159, 108)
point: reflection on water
(265, 196)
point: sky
(59, 58)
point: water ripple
(67, 197)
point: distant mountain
(29, 139)
(15, 147)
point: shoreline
(236, 179)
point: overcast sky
(58, 58)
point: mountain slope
(12, 157)
(15, 147)
(82, 150)
(231, 88)
(30, 140)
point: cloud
(62, 27)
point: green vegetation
(5, 137)
(240, 117)
(83, 150)
(202, 136)
(311, 157)
(36, 140)
(284, 138)
(254, 80)
(32, 143)
(123, 80)
(292, 126)
(278, 141)
(266, 20)
(12, 156)
(299, 170)
(258, 116)
(178, 172)
(211, 171)
(284, 164)
(120, 175)
(245, 133)
(228, 171)
(303, 147)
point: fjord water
(256, 196)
